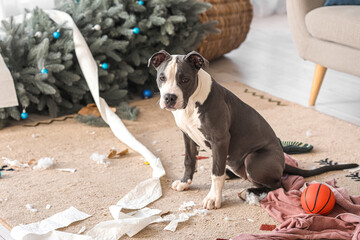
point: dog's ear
(157, 58)
(196, 60)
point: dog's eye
(184, 80)
(162, 78)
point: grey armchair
(327, 36)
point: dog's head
(176, 77)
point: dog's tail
(309, 173)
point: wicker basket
(234, 17)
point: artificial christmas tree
(121, 35)
(38, 63)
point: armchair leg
(316, 84)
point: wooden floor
(268, 61)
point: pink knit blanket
(284, 206)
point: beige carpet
(93, 188)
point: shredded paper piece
(5, 233)
(144, 193)
(174, 223)
(44, 229)
(82, 230)
(30, 207)
(44, 163)
(187, 206)
(71, 170)
(99, 159)
(129, 224)
(14, 163)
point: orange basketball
(318, 199)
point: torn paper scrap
(201, 212)
(58, 235)
(30, 207)
(187, 206)
(82, 230)
(129, 224)
(174, 223)
(99, 158)
(144, 193)
(44, 163)
(71, 170)
(166, 218)
(59, 220)
(48, 206)
(14, 163)
(4, 231)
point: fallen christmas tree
(121, 35)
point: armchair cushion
(341, 2)
(339, 24)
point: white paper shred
(14, 163)
(144, 193)
(48, 206)
(174, 223)
(250, 220)
(253, 199)
(44, 229)
(309, 133)
(71, 170)
(166, 218)
(5, 233)
(44, 163)
(31, 208)
(99, 159)
(58, 235)
(201, 212)
(187, 206)
(35, 135)
(82, 230)
(129, 224)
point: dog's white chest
(189, 123)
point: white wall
(264, 8)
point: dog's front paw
(212, 201)
(181, 186)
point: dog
(214, 119)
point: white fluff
(253, 199)
(71, 170)
(99, 158)
(82, 229)
(44, 163)
(202, 212)
(309, 133)
(187, 206)
(14, 163)
(30, 207)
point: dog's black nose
(170, 99)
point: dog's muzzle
(170, 100)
